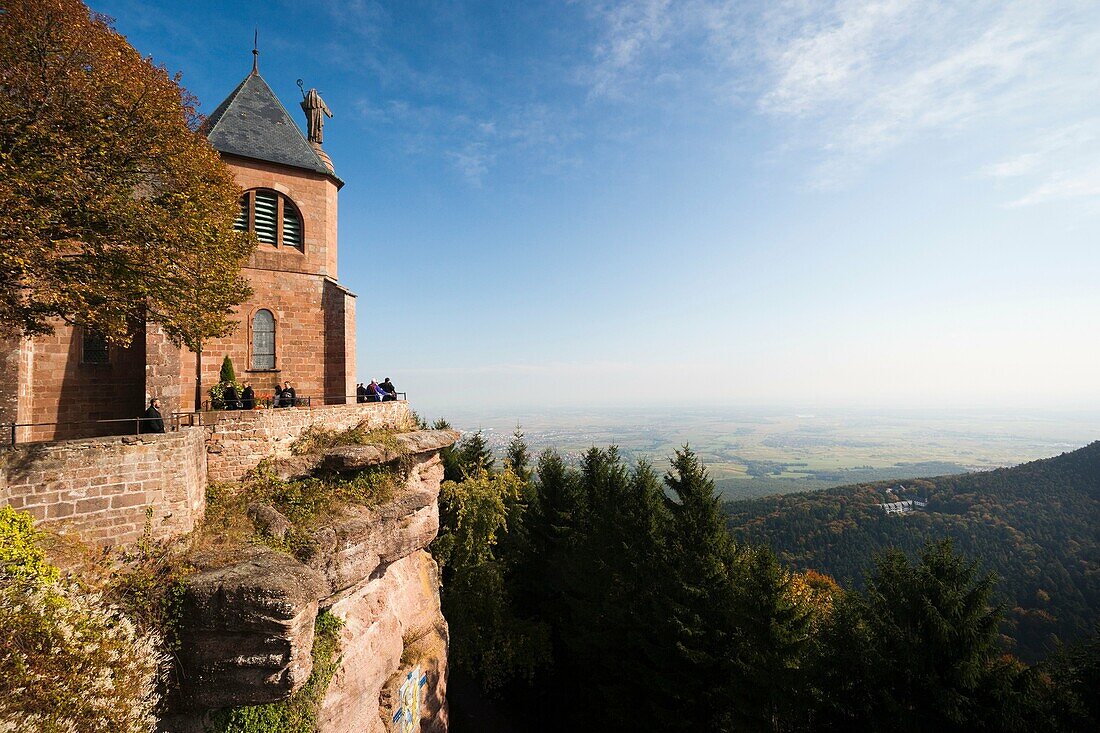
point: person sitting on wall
(360, 393)
(248, 396)
(373, 392)
(389, 392)
(153, 422)
(230, 400)
(288, 397)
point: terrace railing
(127, 425)
(300, 401)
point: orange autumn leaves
(114, 210)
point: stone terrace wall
(241, 439)
(100, 487)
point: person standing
(389, 392)
(153, 422)
(288, 397)
(230, 398)
(248, 396)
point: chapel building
(298, 325)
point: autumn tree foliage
(114, 209)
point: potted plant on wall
(226, 394)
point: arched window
(263, 340)
(272, 216)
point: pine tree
(452, 468)
(927, 637)
(766, 672)
(518, 456)
(474, 455)
(701, 559)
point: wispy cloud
(1059, 163)
(473, 162)
(851, 80)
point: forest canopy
(1034, 525)
(606, 596)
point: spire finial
(256, 51)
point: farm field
(759, 452)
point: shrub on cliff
(69, 661)
(21, 558)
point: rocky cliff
(247, 635)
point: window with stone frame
(263, 340)
(93, 347)
(272, 216)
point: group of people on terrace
(376, 392)
(283, 396)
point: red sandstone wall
(162, 372)
(314, 345)
(296, 301)
(10, 358)
(339, 307)
(315, 196)
(241, 439)
(53, 386)
(101, 487)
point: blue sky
(863, 203)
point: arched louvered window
(272, 216)
(292, 226)
(263, 340)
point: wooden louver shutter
(292, 226)
(267, 216)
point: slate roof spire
(252, 123)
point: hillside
(1036, 525)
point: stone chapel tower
(299, 324)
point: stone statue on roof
(316, 111)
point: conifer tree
(228, 375)
(518, 456)
(474, 455)
(925, 636)
(766, 672)
(701, 562)
(452, 468)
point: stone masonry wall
(241, 439)
(101, 487)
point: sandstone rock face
(358, 457)
(393, 626)
(247, 628)
(348, 552)
(293, 467)
(268, 521)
